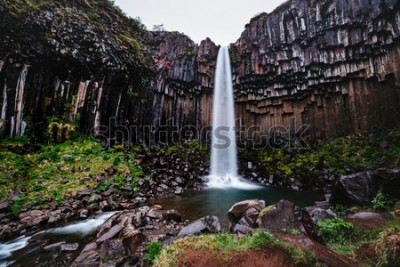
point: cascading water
(224, 171)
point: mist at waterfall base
(224, 173)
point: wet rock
(178, 191)
(355, 189)
(83, 214)
(248, 210)
(54, 246)
(69, 247)
(208, 224)
(105, 206)
(113, 248)
(110, 234)
(87, 258)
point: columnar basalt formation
(59, 59)
(331, 65)
(183, 84)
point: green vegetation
(222, 248)
(347, 240)
(153, 251)
(355, 153)
(383, 202)
(57, 172)
(99, 13)
(335, 230)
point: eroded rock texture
(333, 65)
(183, 84)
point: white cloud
(221, 20)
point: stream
(192, 205)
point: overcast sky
(221, 20)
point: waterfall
(19, 102)
(4, 106)
(224, 171)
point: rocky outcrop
(332, 65)
(285, 216)
(243, 216)
(359, 188)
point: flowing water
(224, 171)
(24, 249)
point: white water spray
(224, 173)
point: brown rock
(110, 234)
(113, 248)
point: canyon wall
(331, 66)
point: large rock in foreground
(208, 224)
(285, 216)
(359, 188)
(243, 216)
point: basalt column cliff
(331, 65)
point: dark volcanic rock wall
(332, 65)
(71, 60)
(183, 85)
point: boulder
(370, 220)
(87, 258)
(318, 214)
(113, 248)
(110, 234)
(208, 224)
(389, 180)
(247, 210)
(359, 188)
(284, 216)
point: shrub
(153, 251)
(335, 230)
(383, 202)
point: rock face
(330, 66)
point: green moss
(59, 171)
(356, 152)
